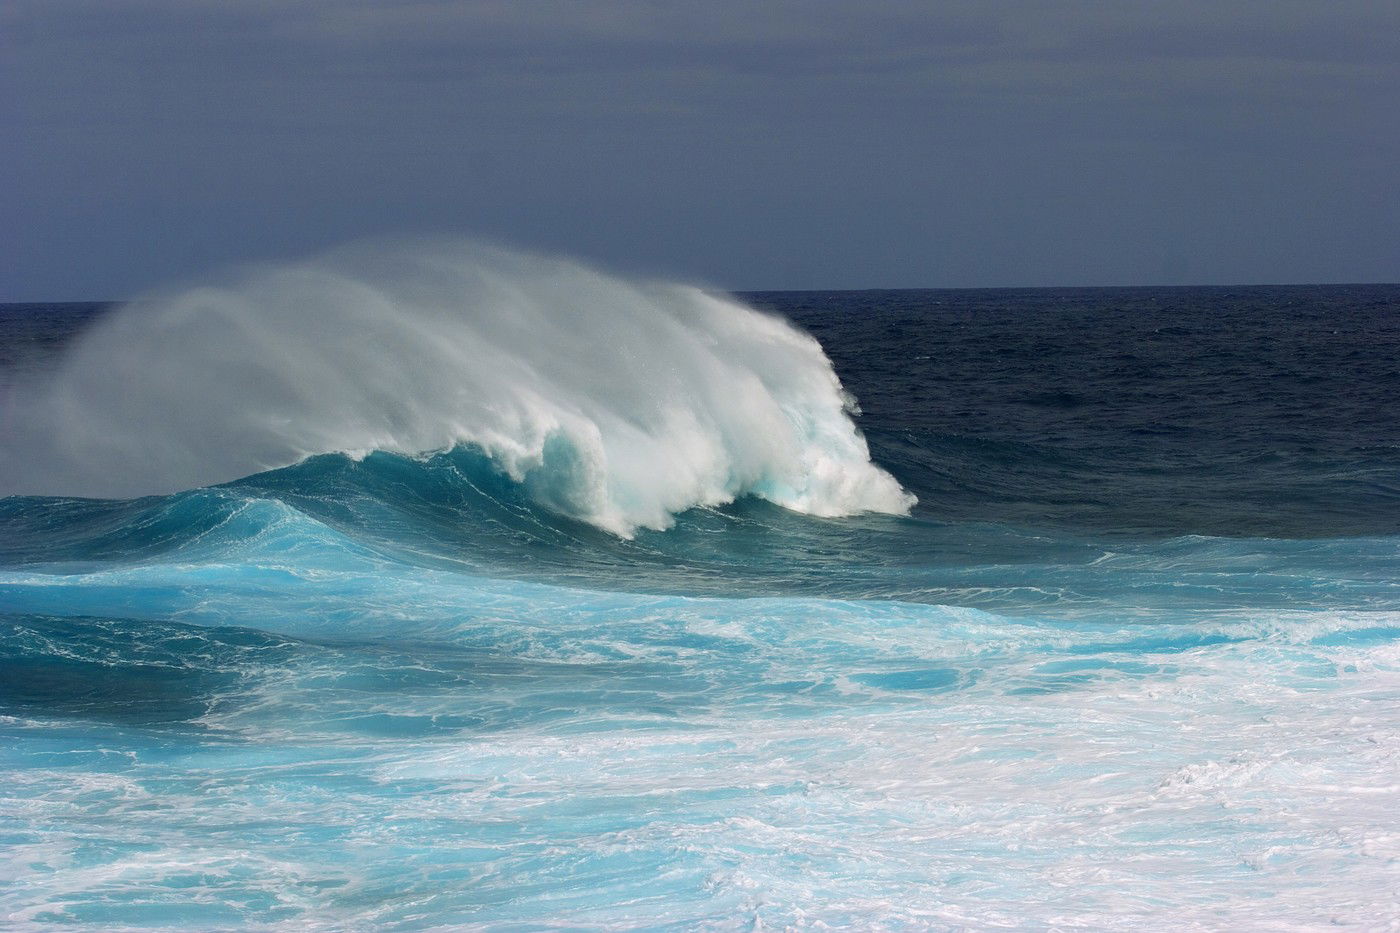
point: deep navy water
(1131, 660)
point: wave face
(619, 403)
(1131, 662)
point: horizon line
(876, 288)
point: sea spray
(618, 402)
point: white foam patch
(1227, 792)
(604, 760)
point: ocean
(444, 588)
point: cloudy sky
(740, 144)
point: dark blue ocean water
(1133, 658)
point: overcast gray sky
(741, 144)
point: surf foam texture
(617, 402)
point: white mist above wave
(617, 402)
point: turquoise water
(388, 691)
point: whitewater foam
(617, 402)
(682, 760)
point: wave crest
(618, 402)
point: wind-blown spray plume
(613, 401)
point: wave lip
(617, 402)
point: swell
(457, 512)
(618, 403)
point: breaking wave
(617, 402)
